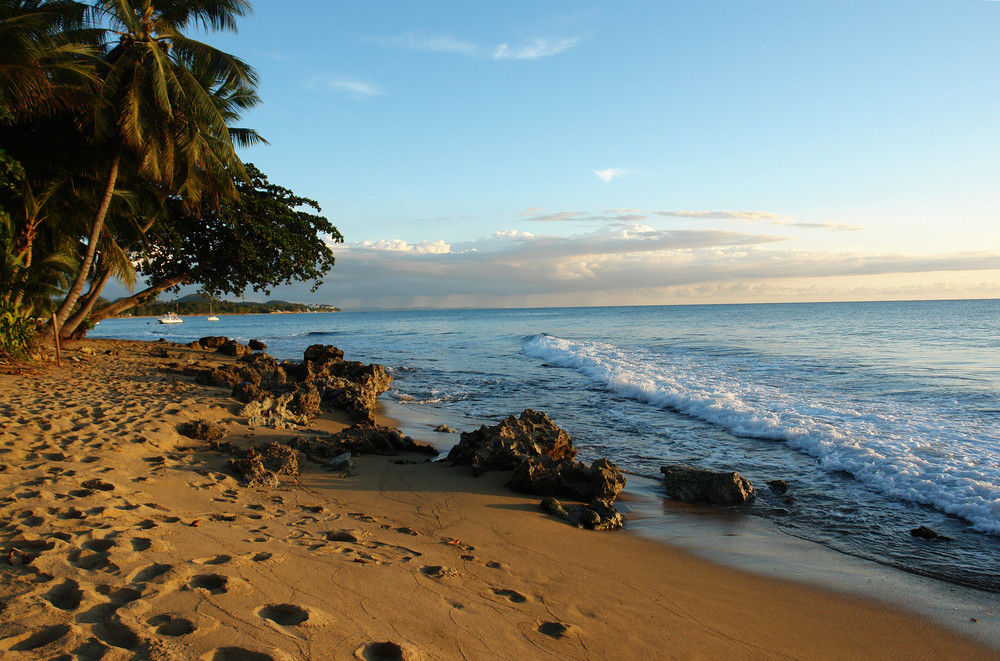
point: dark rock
(234, 348)
(257, 345)
(718, 487)
(305, 401)
(193, 345)
(359, 439)
(445, 429)
(223, 447)
(353, 387)
(323, 353)
(503, 446)
(924, 532)
(99, 485)
(202, 430)
(778, 486)
(246, 392)
(545, 476)
(598, 515)
(260, 465)
(227, 376)
(272, 375)
(213, 341)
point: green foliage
(18, 332)
(202, 307)
(263, 239)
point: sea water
(881, 417)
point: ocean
(881, 417)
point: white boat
(211, 317)
(171, 318)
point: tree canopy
(118, 161)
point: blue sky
(595, 152)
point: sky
(592, 152)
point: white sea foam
(905, 451)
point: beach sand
(140, 545)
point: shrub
(18, 332)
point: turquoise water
(881, 416)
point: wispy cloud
(532, 51)
(443, 43)
(611, 173)
(725, 215)
(355, 88)
(423, 41)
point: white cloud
(611, 173)
(437, 43)
(353, 88)
(397, 245)
(537, 49)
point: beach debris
(923, 532)
(691, 484)
(503, 446)
(598, 515)
(202, 430)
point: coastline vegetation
(118, 161)
(195, 305)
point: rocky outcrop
(696, 484)
(503, 446)
(260, 466)
(272, 375)
(353, 387)
(359, 439)
(213, 341)
(227, 376)
(202, 430)
(545, 476)
(234, 348)
(257, 345)
(598, 515)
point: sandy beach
(122, 539)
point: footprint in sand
(151, 573)
(41, 638)
(514, 597)
(171, 625)
(214, 560)
(238, 654)
(437, 571)
(387, 651)
(116, 634)
(552, 629)
(212, 583)
(65, 596)
(284, 614)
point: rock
(778, 486)
(223, 447)
(234, 348)
(598, 515)
(359, 439)
(445, 429)
(342, 462)
(247, 391)
(503, 446)
(193, 345)
(693, 484)
(260, 465)
(305, 401)
(213, 341)
(257, 345)
(354, 387)
(272, 375)
(547, 477)
(323, 353)
(924, 532)
(227, 376)
(202, 430)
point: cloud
(611, 173)
(537, 49)
(629, 263)
(443, 43)
(422, 41)
(725, 215)
(353, 88)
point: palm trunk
(135, 299)
(95, 232)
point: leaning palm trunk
(88, 259)
(140, 297)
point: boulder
(272, 375)
(503, 446)
(305, 401)
(696, 484)
(923, 532)
(227, 376)
(353, 387)
(545, 476)
(213, 341)
(778, 486)
(247, 391)
(202, 430)
(234, 348)
(257, 345)
(260, 465)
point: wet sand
(140, 545)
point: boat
(210, 317)
(171, 318)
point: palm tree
(152, 101)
